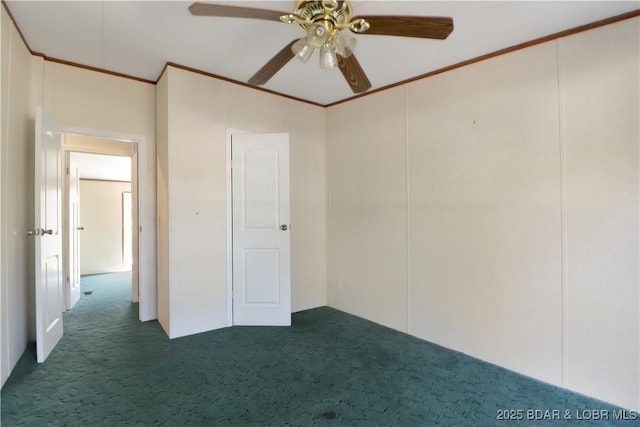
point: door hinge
(67, 171)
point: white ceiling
(103, 167)
(137, 38)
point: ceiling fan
(328, 25)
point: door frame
(146, 290)
(68, 152)
(68, 232)
(229, 209)
(229, 191)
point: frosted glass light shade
(317, 34)
(302, 50)
(344, 43)
(328, 60)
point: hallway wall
(101, 216)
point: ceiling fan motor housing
(337, 14)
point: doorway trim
(229, 191)
(146, 292)
(229, 212)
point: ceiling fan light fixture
(328, 25)
(344, 43)
(318, 34)
(302, 50)
(328, 59)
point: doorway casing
(143, 290)
(229, 213)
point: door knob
(80, 228)
(283, 227)
(43, 231)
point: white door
(73, 179)
(48, 235)
(261, 246)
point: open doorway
(52, 216)
(100, 212)
(100, 215)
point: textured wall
(17, 204)
(493, 209)
(101, 215)
(200, 112)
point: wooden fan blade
(353, 73)
(428, 27)
(279, 60)
(213, 9)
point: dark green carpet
(329, 368)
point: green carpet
(329, 368)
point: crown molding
(551, 37)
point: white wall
(162, 252)
(485, 211)
(199, 112)
(600, 92)
(367, 204)
(493, 209)
(101, 216)
(196, 202)
(16, 214)
(5, 38)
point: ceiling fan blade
(213, 9)
(429, 27)
(354, 74)
(279, 60)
